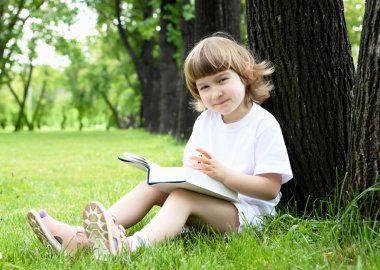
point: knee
(158, 197)
(180, 196)
(143, 185)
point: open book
(168, 178)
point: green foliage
(188, 11)
(20, 19)
(173, 35)
(354, 14)
(99, 65)
(134, 18)
(62, 171)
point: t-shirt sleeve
(271, 155)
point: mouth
(221, 102)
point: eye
(223, 79)
(202, 88)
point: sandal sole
(98, 230)
(42, 232)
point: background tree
(122, 95)
(44, 15)
(23, 25)
(307, 43)
(210, 17)
(136, 23)
(142, 53)
(186, 116)
(13, 15)
(169, 44)
(217, 15)
(365, 128)
(82, 99)
(26, 78)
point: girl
(234, 141)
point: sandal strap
(121, 237)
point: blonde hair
(216, 54)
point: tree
(186, 116)
(168, 69)
(307, 43)
(82, 99)
(364, 152)
(141, 55)
(44, 14)
(12, 20)
(210, 17)
(16, 19)
(136, 23)
(26, 76)
(217, 15)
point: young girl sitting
(234, 141)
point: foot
(58, 235)
(105, 236)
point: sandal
(56, 234)
(105, 236)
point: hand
(205, 163)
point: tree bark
(307, 42)
(210, 17)
(37, 111)
(144, 66)
(364, 158)
(21, 114)
(168, 74)
(186, 115)
(114, 111)
(217, 15)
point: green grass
(62, 171)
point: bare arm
(265, 186)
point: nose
(218, 93)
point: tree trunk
(21, 115)
(37, 114)
(114, 111)
(210, 17)
(64, 119)
(186, 116)
(307, 42)
(149, 86)
(168, 74)
(364, 155)
(145, 67)
(217, 15)
(19, 103)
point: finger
(196, 159)
(200, 159)
(203, 152)
(196, 167)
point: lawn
(62, 171)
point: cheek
(203, 96)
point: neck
(238, 114)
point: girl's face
(224, 92)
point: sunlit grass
(62, 171)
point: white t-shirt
(253, 145)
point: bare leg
(134, 205)
(182, 204)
